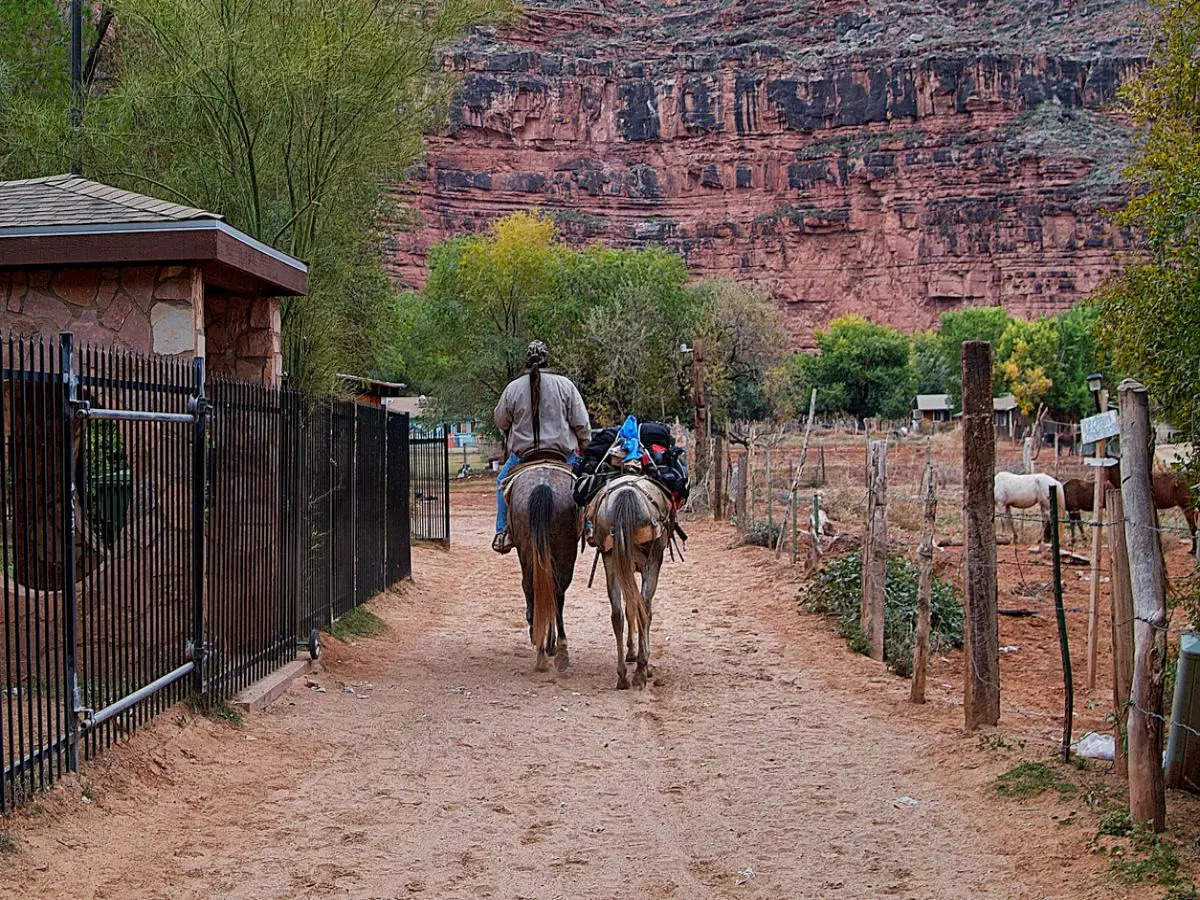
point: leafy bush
(762, 533)
(837, 592)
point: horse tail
(545, 599)
(627, 517)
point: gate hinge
(81, 408)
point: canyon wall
(890, 159)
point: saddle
(656, 496)
(537, 459)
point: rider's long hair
(535, 401)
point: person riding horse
(538, 412)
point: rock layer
(890, 159)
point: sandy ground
(765, 761)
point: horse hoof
(622, 684)
(639, 679)
(543, 664)
(562, 659)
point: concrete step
(259, 695)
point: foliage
(976, 323)
(761, 533)
(1028, 779)
(1028, 349)
(837, 591)
(289, 117)
(933, 370)
(1150, 320)
(1152, 859)
(359, 622)
(614, 321)
(862, 368)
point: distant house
(371, 391)
(933, 407)
(1008, 415)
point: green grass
(359, 622)
(1028, 779)
(1151, 860)
(217, 712)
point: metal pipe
(133, 415)
(66, 349)
(115, 709)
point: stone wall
(244, 337)
(150, 309)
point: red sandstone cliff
(886, 158)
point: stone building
(121, 269)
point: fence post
(981, 633)
(816, 527)
(1101, 478)
(1147, 801)
(1122, 622)
(718, 482)
(66, 358)
(874, 555)
(770, 499)
(743, 508)
(795, 482)
(199, 404)
(1061, 618)
(925, 586)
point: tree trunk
(718, 478)
(1147, 800)
(982, 631)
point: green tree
(976, 323)
(933, 371)
(290, 117)
(1027, 355)
(1150, 315)
(861, 368)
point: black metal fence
(158, 541)
(430, 478)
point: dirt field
(766, 761)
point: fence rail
(163, 534)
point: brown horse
(1169, 489)
(1077, 496)
(632, 527)
(544, 524)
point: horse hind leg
(562, 658)
(618, 625)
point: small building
(933, 407)
(1007, 414)
(117, 268)
(371, 391)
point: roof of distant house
(933, 402)
(68, 220)
(1004, 403)
(371, 387)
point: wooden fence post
(718, 478)
(1097, 544)
(812, 408)
(743, 500)
(1122, 621)
(981, 632)
(816, 527)
(770, 499)
(874, 554)
(925, 585)
(1147, 800)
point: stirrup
(502, 543)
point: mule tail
(545, 599)
(627, 517)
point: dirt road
(765, 762)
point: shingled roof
(63, 220)
(71, 200)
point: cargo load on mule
(607, 455)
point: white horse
(1025, 492)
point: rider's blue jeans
(501, 506)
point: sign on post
(1100, 427)
(1100, 461)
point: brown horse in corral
(1169, 489)
(632, 526)
(1077, 496)
(544, 523)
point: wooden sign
(1099, 427)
